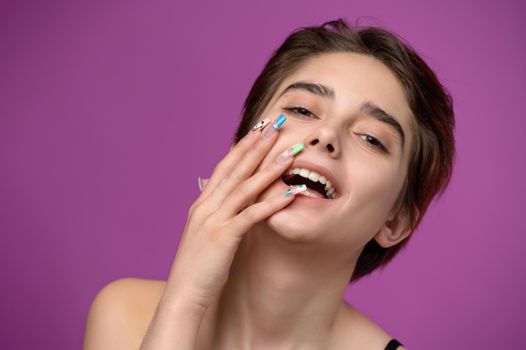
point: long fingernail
(200, 183)
(293, 190)
(273, 128)
(289, 153)
(260, 125)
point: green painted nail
(290, 152)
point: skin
(290, 270)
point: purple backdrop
(106, 113)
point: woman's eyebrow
(314, 88)
(379, 114)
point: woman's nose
(324, 140)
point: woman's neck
(279, 294)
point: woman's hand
(220, 217)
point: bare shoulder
(361, 332)
(121, 312)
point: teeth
(308, 194)
(313, 176)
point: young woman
(298, 208)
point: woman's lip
(312, 200)
(299, 163)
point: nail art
(273, 128)
(289, 153)
(260, 125)
(293, 190)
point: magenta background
(109, 110)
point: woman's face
(350, 112)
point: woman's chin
(300, 221)
(294, 227)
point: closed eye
(300, 111)
(374, 142)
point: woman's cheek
(372, 195)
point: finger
(224, 166)
(252, 187)
(260, 211)
(238, 174)
(237, 152)
(243, 165)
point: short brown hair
(433, 152)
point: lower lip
(311, 200)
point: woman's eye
(300, 111)
(373, 141)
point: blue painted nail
(273, 128)
(279, 122)
(293, 190)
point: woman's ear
(394, 230)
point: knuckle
(249, 215)
(193, 215)
(242, 187)
(259, 147)
(234, 176)
(263, 143)
(194, 206)
(210, 224)
(199, 211)
(191, 212)
(219, 167)
(229, 175)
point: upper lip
(320, 170)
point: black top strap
(393, 344)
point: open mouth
(317, 185)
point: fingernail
(200, 183)
(273, 128)
(293, 190)
(289, 153)
(260, 125)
